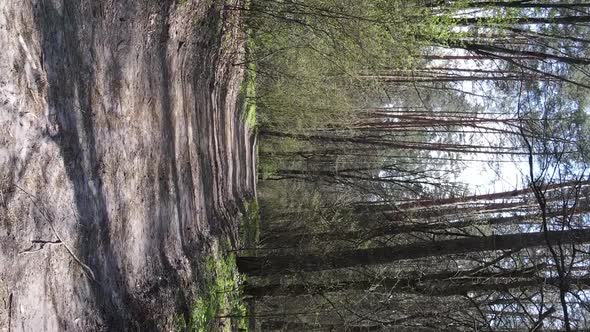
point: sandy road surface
(122, 158)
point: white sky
(508, 174)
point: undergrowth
(250, 227)
(220, 306)
(249, 86)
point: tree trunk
(289, 264)
(291, 239)
(282, 325)
(392, 144)
(525, 4)
(529, 20)
(436, 284)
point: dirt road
(122, 157)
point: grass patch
(249, 84)
(272, 161)
(250, 96)
(250, 226)
(220, 306)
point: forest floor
(125, 163)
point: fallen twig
(41, 243)
(87, 270)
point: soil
(123, 158)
